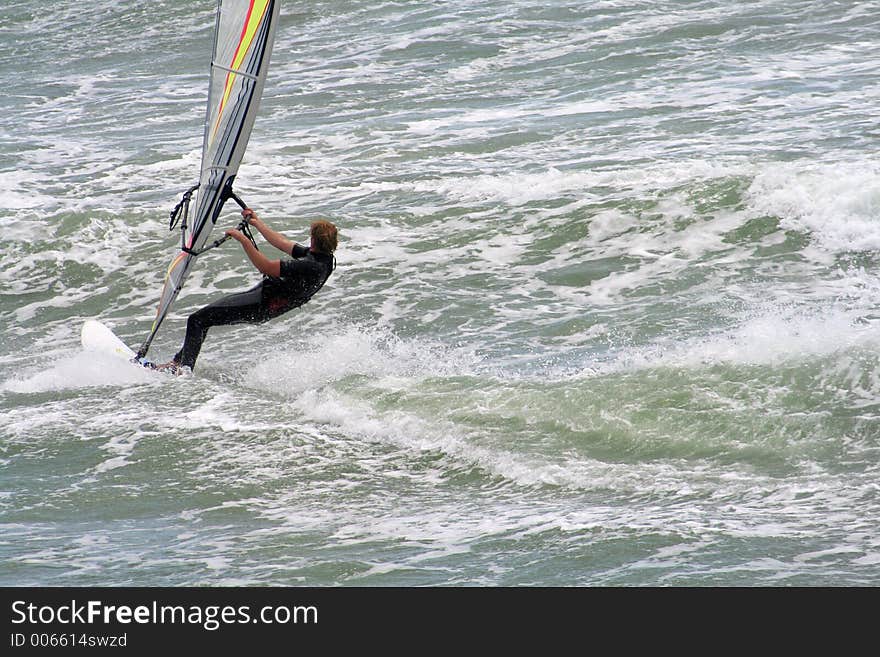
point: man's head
(323, 235)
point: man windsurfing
(287, 284)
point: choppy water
(605, 311)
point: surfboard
(100, 338)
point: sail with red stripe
(243, 38)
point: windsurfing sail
(243, 38)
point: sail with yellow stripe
(243, 38)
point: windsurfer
(288, 283)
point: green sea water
(605, 311)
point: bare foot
(172, 367)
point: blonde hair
(324, 236)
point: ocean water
(605, 312)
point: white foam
(355, 351)
(837, 204)
(18, 191)
(80, 370)
(769, 337)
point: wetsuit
(300, 279)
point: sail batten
(243, 38)
(234, 71)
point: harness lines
(180, 214)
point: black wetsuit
(300, 279)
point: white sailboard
(98, 337)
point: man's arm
(261, 262)
(274, 238)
